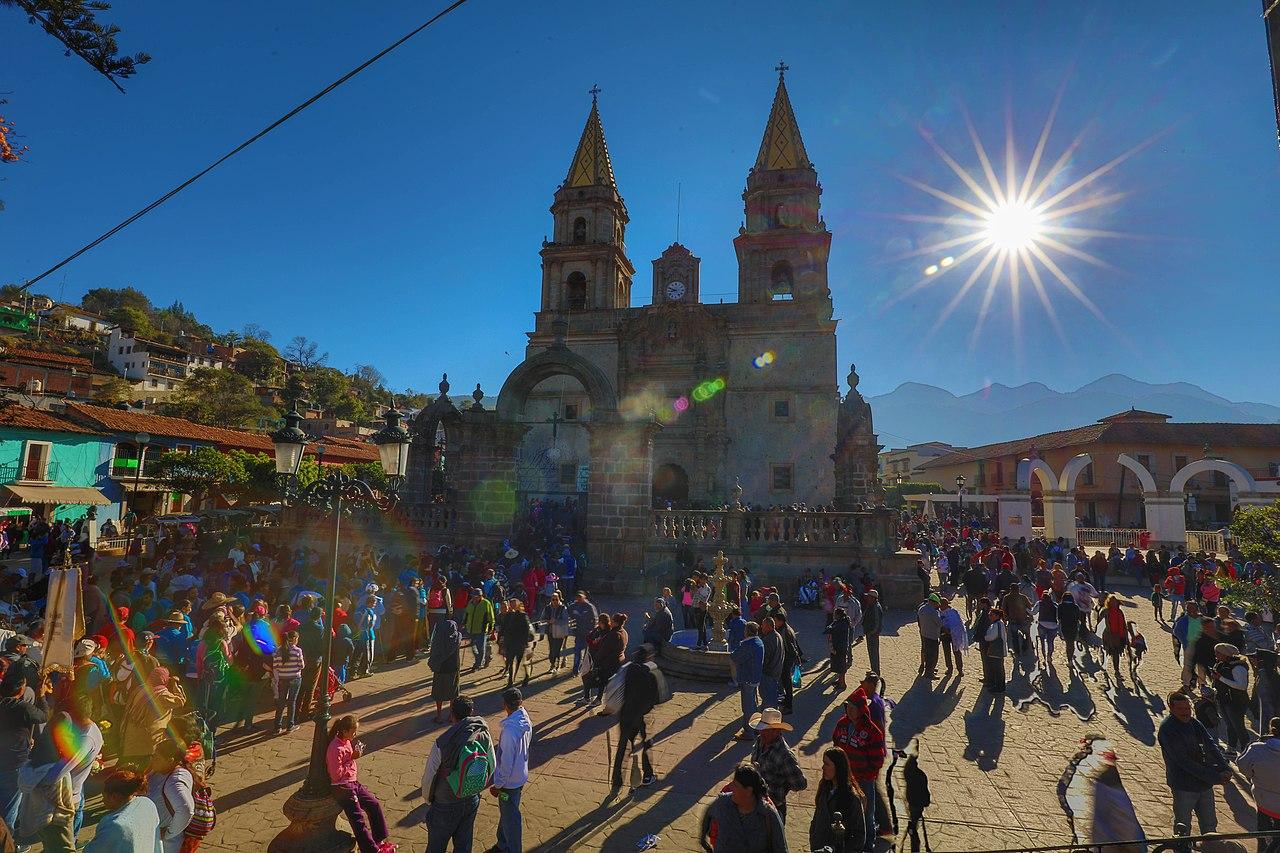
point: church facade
(744, 391)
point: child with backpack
(360, 805)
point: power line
(243, 145)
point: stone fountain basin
(680, 659)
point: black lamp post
(960, 493)
(312, 810)
(141, 440)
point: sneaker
(648, 780)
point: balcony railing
(127, 469)
(17, 473)
(772, 526)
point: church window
(580, 230)
(570, 411)
(568, 474)
(782, 409)
(781, 288)
(576, 292)
(782, 478)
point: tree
(369, 375)
(330, 390)
(303, 352)
(72, 22)
(176, 318)
(411, 399)
(133, 319)
(104, 300)
(199, 473)
(117, 389)
(1257, 532)
(217, 397)
(259, 361)
(255, 332)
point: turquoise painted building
(51, 466)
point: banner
(63, 620)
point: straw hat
(769, 718)
(175, 618)
(216, 600)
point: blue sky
(398, 221)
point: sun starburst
(1024, 227)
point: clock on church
(675, 291)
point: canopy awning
(73, 495)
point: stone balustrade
(767, 527)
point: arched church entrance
(670, 485)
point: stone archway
(557, 360)
(670, 483)
(1165, 511)
(1243, 479)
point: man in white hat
(774, 759)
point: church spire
(591, 164)
(782, 147)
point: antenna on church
(679, 185)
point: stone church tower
(743, 391)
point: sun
(1014, 230)
(1013, 226)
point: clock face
(675, 290)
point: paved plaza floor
(993, 764)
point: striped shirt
(287, 663)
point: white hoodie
(515, 732)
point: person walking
(515, 635)
(556, 617)
(930, 624)
(793, 661)
(954, 638)
(480, 621)
(837, 794)
(1193, 765)
(170, 785)
(775, 760)
(995, 647)
(742, 820)
(774, 662)
(872, 625)
(1260, 764)
(444, 659)
(748, 661)
(840, 642)
(610, 653)
(20, 719)
(362, 808)
(511, 771)
(286, 680)
(639, 697)
(1231, 683)
(582, 619)
(864, 743)
(451, 781)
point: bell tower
(783, 244)
(584, 264)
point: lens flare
(763, 360)
(681, 404)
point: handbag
(204, 816)
(795, 676)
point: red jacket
(863, 743)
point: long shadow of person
(984, 730)
(923, 706)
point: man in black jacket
(1193, 765)
(639, 696)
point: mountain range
(914, 412)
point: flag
(64, 620)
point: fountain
(682, 658)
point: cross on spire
(782, 68)
(594, 91)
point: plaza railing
(1209, 541)
(1104, 537)
(766, 527)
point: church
(745, 392)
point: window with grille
(783, 476)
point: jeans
(454, 822)
(750, 702)
(1184, 802)
(628, 731)
(364, 813)
(509, 821)
(873, 651)
(768, 691)
(287, 699)
(869, 791)
(10, 797)
(929, 651)
(579, 646)
(555, 650)
(700, 622)
(479, 649)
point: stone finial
(478, 396)
(444, 384)
(560, 329)
(853, 378)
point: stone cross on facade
(718, 608)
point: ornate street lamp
(312, 810)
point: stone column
(1015, 515)
(483, 470)
(1060, 516)
(1166, 518)
(620, 492)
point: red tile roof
(119, 420)
(23, 354)
(1124, 432)
(21, 417)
